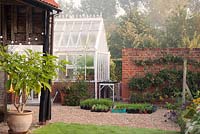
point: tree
(181, 21)
(96, 7)
(132, 32)
(69, 8)
(130, 5)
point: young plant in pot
(26, 72)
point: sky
(77, 4)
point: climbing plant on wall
(167, 81)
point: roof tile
(51, 2)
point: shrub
(87, 104)
(75, 93)
(194, 124)
(141, 98)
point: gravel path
(76, 115)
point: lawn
(62, 128)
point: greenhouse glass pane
(57, 37)
(69, 26)
(80, 61)
(90, 74)
(85, 59)
(95, 25)
(77, 26)
(59, 26)
(92, 39)
(90, 60)
(70, 74)
(71, 59)
(74, 37)
(86, 26)
(83, 39)
(65, 39)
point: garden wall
(130, 69)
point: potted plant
(26, 72)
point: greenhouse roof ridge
(78, 19)
(62, 15)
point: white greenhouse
(82, 42)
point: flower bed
(100, 108)
(89, 103)
(135, 108)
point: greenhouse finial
(101, 14)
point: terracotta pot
(19, 122)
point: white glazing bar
(95, 74)
(62, 34)
(70, 33)
(88, 34)
(108, 56)
(102, 70)
(79, 34)
(101, 67)
(99, 34)
(113, 90)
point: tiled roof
(50, 2)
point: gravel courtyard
(76, 115)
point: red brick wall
(130, 70)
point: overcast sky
(77, 3)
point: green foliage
(182, 123)
(139, 84)
(166, 60)
(167, 81)
(75, 93)
(170, 106)
(87, 104)
(133, 106)
(133, 31)
(194, 127)
(100, 108)
(27, 72)
(118, 69)
(142, 97)
(189, 113)
(113, 76)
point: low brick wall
(61, 85)
(91, 89)
(130, 70)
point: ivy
(167, 81)
(165, 60)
